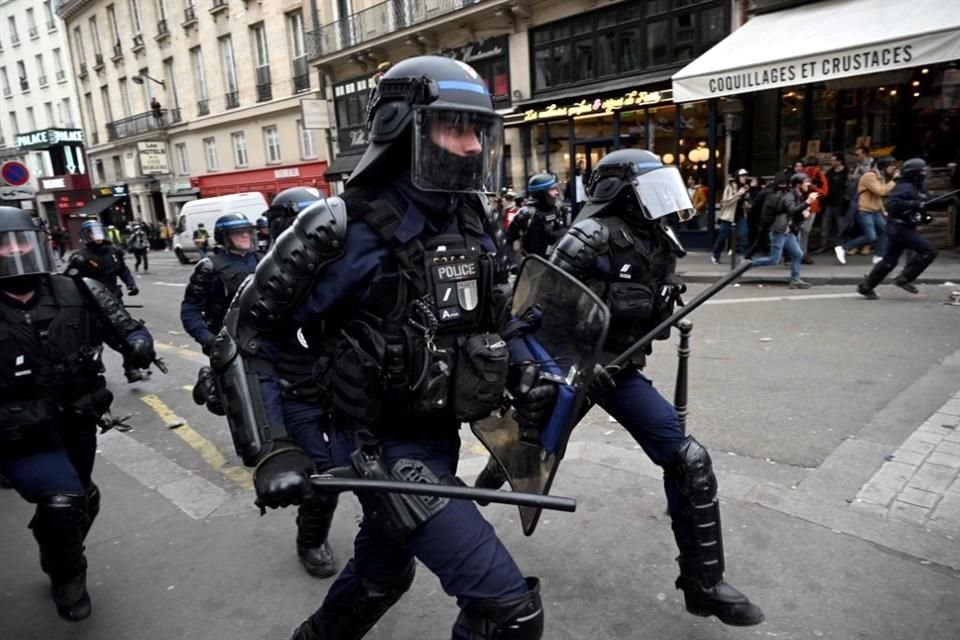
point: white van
(206, 211)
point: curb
(818, 280)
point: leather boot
(71, 597)
(313, 527)
(58, 527)
(719, 599)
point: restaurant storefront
(891, 85)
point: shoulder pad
(77, 264)
(200, 280)
(578, 250)
(286, 274)
(109, 309)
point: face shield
(239, 240)
(93, 232)
(25, 252)
(662, 192)
(456, 150)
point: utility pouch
(357, 380)
(631, 301)
(431, 390)
(482, 363)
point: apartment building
(193, 98)
(39, 119)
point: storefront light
(893, 92)
(924, 71)
(916, 94)
(915, 83)
(668, 158)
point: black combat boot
(313, 527)
(718, 599)
(58, 527)
(906, 286)
(866, 291)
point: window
(41, 70)
(31, 119)
(308, 149)
(14, 125)
(125, 97)
(91, 115)
(48, 12)
(135, 16)
(78, 48)
(210, 150)
(271, 140)
(117, 167)
(196, 56)
(66, 115)
(95, 36)
(31, 23)
(114, 30)
(261, 58)
(171, 78)
(229, 68)
(298, 53)
(5, 80)
(144, 89)
(105, 100)
(58, 65)
(22, 74)
(99, 171)
(239, 140)
(182, 163)
(624, 39)
(48, 112)
(161, 10)
(14, 36)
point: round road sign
(15, 173)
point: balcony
(61, 76)
(51, 25)
(301, 75)
(117, 51)
(175, 116)
(7, 92)
(189, 17)
(33, 32)
(42, 81)
(97, 61)
(24, 84)
(163, 31)
(264, 87)
(138, 43)
(203, 107)
(218, 6)
(233, 99)
(15, 40)
(83, 70)
(95, 137)
(157, 120)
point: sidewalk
(697, 267)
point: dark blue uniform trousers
(653, 423)
(900, 238)
(309, 426)
(457, 544)
(60, 469)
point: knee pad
(693, 471)
(352, 619)
(516, 618)
(56, 511)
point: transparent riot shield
(562, 327)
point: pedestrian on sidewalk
(733, 215)
(834, 204)
(874, 185)
(793, 207)
(819, 184)
(908, 209)
(139, 246)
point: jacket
(729, 205)
(819, 184)
(870, 192)
(790, 210)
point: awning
(95, 206)
(821, 42)
(342, 167)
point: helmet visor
(662, 192)
(24, 252)
(93, 232)
(457, 150)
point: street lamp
(139, 78)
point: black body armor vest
(103, 266)
(232, 276)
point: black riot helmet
(287, 204)
(433, 115)
(541, 188)
(636, 180)
(93, 232)
(25, 252)
(914, 170)
(229, 224)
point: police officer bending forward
(399, 276)
(293, 392)
(53, 396)
(620, 248)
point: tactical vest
(49, 363)
(104, 267)
(232, 276)
(416, 343)
(641, 263)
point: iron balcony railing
(379, 20)
(232, 99)
(154, 120)
(264, 88)
(203, 107)
(189, 15)
(61, 75)
(162, 28)
(301, 74)
(42, 81)
(117, 50)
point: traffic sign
(15, 173)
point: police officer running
(103, 261)
(543, 219)
(397, 280)
(620, 247)
(906, 209)
(54, 396)
(212, 286)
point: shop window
(606, 59)
(630, 44)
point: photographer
(733, 213)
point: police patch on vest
(467, 295)
(456, 285)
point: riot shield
(562, 327)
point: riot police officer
(212, 286)
(286, 205)
(906, 210)
(263, 234)
(54, 396)
(398, 276)
(620, 247)
(103, 261)
(542, 220)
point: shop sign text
(48, 138)
(599, 105)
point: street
(834, 427)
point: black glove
(602, 382)
(134, 290)
(534, 405)
(205, 392)
(207, 346)
(141, 354)
(282, 479)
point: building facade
(193, 98)
(39, 122)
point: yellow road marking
(211, 455)
(183, 352)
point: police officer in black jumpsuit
(543, 219)
(103, 261)
(400, 275)
(54, 394)
(906, 210)
(212, 286)
(620, 248)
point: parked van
(206, 211)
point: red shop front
(269, 182)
